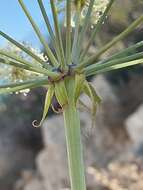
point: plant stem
(74, 148)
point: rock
(29, 181)
(110, 134)
(52, 166)
(119, 175)
(35, 184)
(18, 139)
(134, 124)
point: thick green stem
(74, 148)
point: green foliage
(67, 70)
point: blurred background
(35, 159)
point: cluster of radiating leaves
(34, 66)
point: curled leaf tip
(56, 109)
(35, 124)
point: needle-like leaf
(75, 52)
(96, 67)
(48, 99)
(21, 87)
(58, 33)
(123, 53)
(94, 58)
(49, 28)
(47, 21)
(97, 29)
(37, 80)
(23, 48)
(18, 58)
(114, 67)
(85, 25)
(29, 68)
(40, 36)
(68, 31)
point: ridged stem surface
(74, 148)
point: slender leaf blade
(48, 99)
(40, 36)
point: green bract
(65, 74)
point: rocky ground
(19, 142)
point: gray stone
(19, 141)
(134, 124)
(29, 181)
